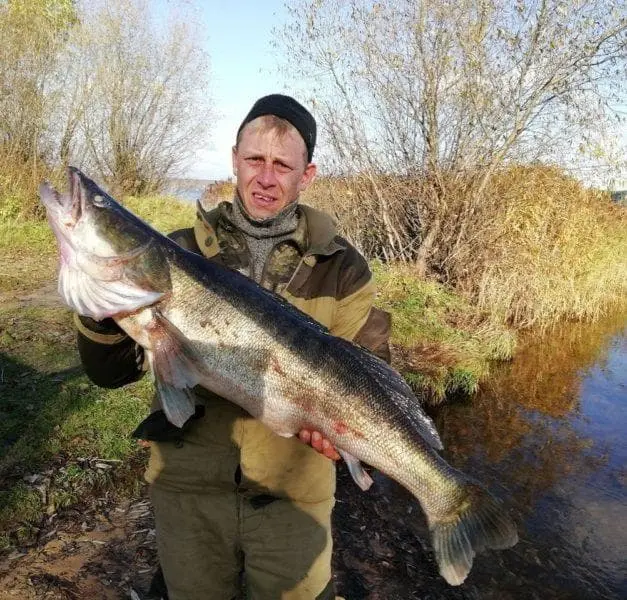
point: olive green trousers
(209, 543)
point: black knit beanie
(285, 107)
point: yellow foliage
(543, 248)
(532, 248)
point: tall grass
(23, 232)
(541, 248)
(19, 184)
(164, 213)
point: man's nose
(266, 176)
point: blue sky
(243, 68)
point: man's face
(271, 169)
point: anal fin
(357, 471)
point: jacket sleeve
(356, 318)
(375, 334)
(110, 358)
(352, 311)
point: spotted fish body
(203, 324)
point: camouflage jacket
(317, 271)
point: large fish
(201, 323)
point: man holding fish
(222, 317)
(231, 496)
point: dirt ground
(102, 550)
(98, 552)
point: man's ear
(308, 176)
(234, 159)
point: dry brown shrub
(379, 215)
(216, 192)
(531, 247)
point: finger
(316, 440)
(329, 450)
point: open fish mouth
(64, 211)
(58, 214)
(67, 207)
(91, 281)
(51, 199)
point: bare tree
(138, 101)
(33, 32)
(449, 90)
(111, 86)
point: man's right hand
(318, 443)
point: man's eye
(283, 168)
(254, 160)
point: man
(230, 496)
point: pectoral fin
(178, 404)
(355, 468)
(176, 367)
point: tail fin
(481, 523)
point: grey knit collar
(280, 225)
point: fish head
(90, 221)
(111, 262)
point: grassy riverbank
(442, 344)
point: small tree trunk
(424, 251)
(394, 239)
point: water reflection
(549, 431)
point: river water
(547, 435)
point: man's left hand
(318, 443)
